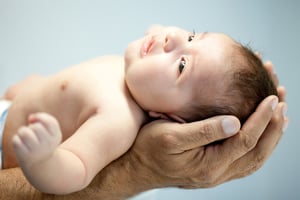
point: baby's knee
(10, 93)
(13, 90)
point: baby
(97, 107)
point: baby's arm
(72, 165)
(36, 149)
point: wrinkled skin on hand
(175, 159)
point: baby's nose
(172, 41)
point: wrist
(127, 174)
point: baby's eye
(191, 37)
(181, 65)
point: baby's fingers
(24, 142)
(46, 120)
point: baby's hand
(37, 141)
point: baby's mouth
(146, 46)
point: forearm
(14, 186)
(124, 178)
(117, 181)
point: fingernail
(284, 110)
(230, 126)
(274, 103)
(285, 125)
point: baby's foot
(37, 141)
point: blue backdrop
(45, 36)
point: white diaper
(4, 106)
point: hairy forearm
(124, 178)
(120, 180)
(13, 185)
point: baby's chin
(132, 51)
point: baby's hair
(248, 83)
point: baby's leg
(36, 142)
(15, 89)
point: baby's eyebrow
(203, 35)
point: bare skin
(64, 105)
(161, 149)
(68, 98)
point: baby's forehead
(220, 47)
(216, 35)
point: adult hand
(186, 155)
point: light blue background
(44, 36)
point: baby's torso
(79, 92)
(76, 94)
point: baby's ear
(176, 118)
(158, 115)
(172, 117)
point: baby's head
(173, 73)
(245, 86)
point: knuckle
(254, 165)
(249, 141)
(277, 119)
(259, 160)
(168, 140)
(207, 128)
(206, 178)
(208, 132)
(208, 136)
(209, 177)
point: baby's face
(169, 66)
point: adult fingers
(251, 131)
(271, 135)
(258, 55)
(280, 89)
(254, 159)
(281, 93)
(200, 133)
(270, 69)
